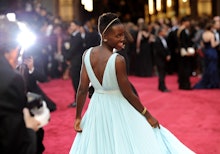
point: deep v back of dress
(109, 80)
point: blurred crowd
(56, 47)
(186, 47)
(185, 51)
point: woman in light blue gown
(115, 122)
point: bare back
(99, 57)
(209, 36)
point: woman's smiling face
(116, 36)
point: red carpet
(193, 116)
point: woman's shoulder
(95, 49)
(91, 50)
(208, 32)
(119, 60)
(208, 35)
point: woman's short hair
(209, 25)
(106, 21)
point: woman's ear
(104, 38)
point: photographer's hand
(30, 63)
(30, 122)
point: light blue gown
(112, 126)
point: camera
(34, 100)
(38, 108)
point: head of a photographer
(9, 53)
(9, 46)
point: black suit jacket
(78, 46)
(218, 47)
(185, 40)
(32, 79)
(14, 136)
(92, 39)
(160, 52)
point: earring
(105, 40)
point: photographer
(17, 127)
(32, 70)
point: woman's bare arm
(214, 43)
(81, 95)
(82, 89)
(127, 92)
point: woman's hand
(77, 125)
(153, 121)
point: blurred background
(131, 10)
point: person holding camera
(32, 72)
(17, 127)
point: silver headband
(109, 25)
